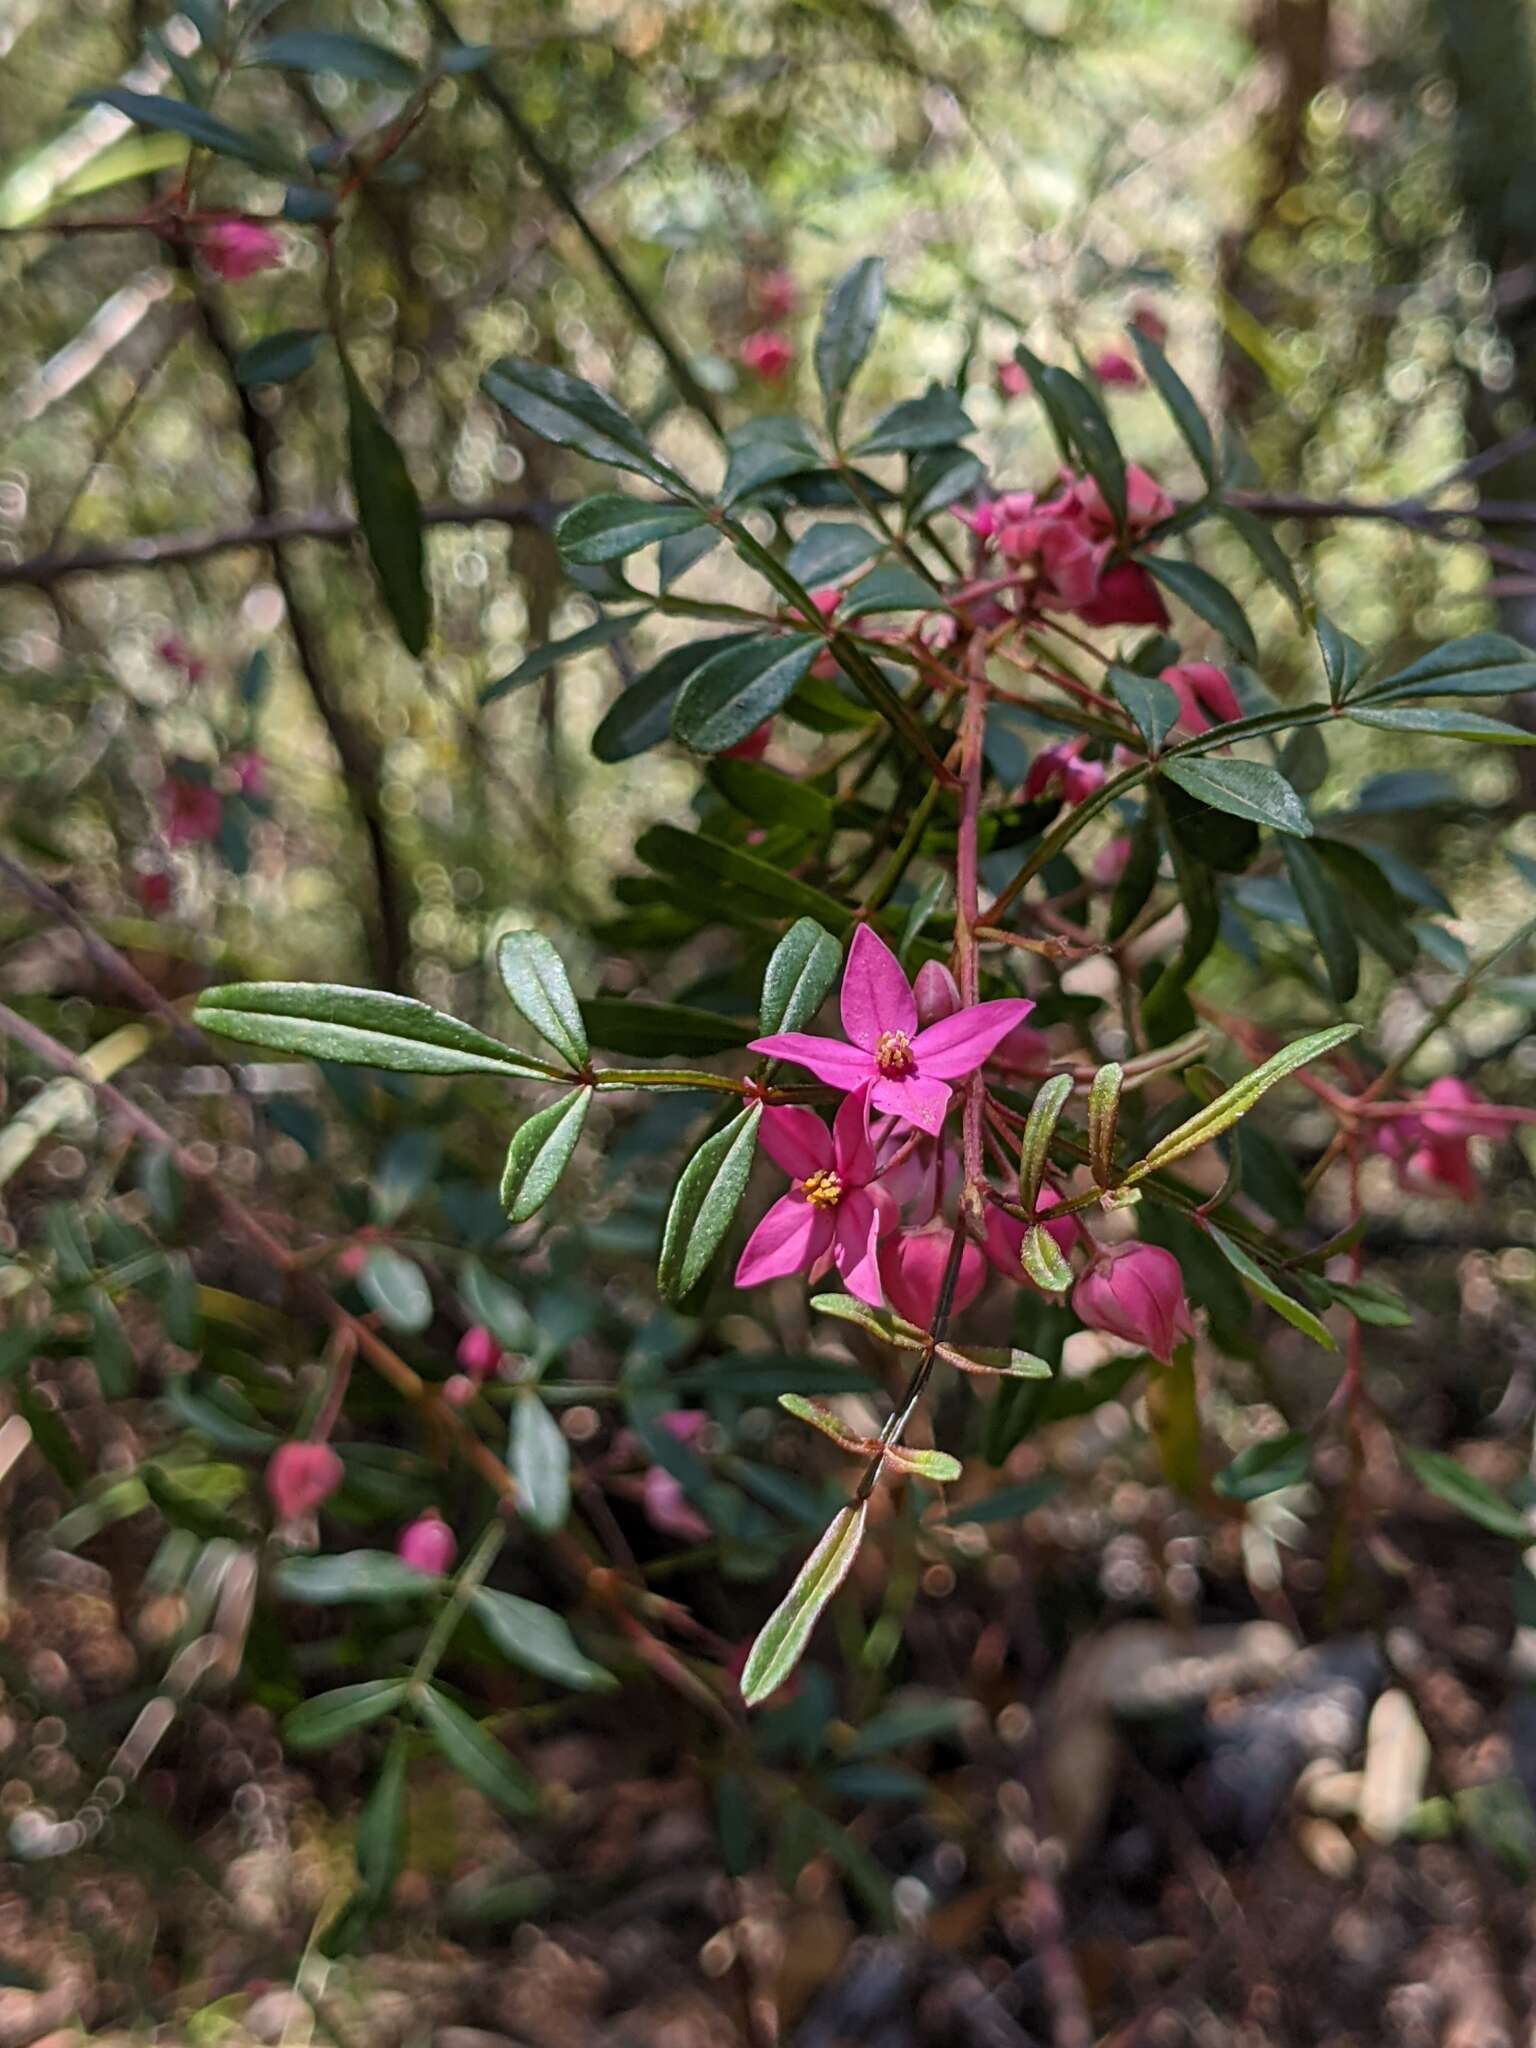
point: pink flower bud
(668, 1510)
(478, 1352)
(912, 1265)
(236, 249)
(458, 1390)
(428, 1545)
(1061, 771)
(155, 889)
(981, 519)
(1109, 863)
(1135, 1292)
(1449, 1108)
(1147, 320)
(351, 1259)
(193, 811)
(936, 992)
(250, 773)
(1012, 377)
(1113, 367)
(301, 1478)
(1205, 693)
(1126, 596)
(768, 355)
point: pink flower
(250, 773)
(936, 992)
(826, 599)
(155, 889)
(1112, 367)
(1147, 320)
(775, 294)
(907, 1071)
(193, 811)
(301, 1478)
(236, 249)
(458, 1390)
(753, 747)
(1135, 1292)
(833, 1212)
(1109, 863)
(667, 1508)
(1061, 771)
(1012, 377)
(1127, 596)
(1443, 1167)
(912, 1265)
(428, 1544)
(1205, 693)
(478, 1352)
(1146, 502)
(768, 355)
(1449, 1108)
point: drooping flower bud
(1135, 1292)
(1114, 367)
(1205, 693)
(768, 355)
(428, 1545)
(936, 992)
(458, 1390)
(1061, 771)
(301, 1478)
(478, 1352)
(237, 249)
(1012, 377)
(1449, 1108)
(912, 1265)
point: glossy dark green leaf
(936, 420)
(1343, 658)
(355, 1026)
(539, 1460)
(278, 358)
(730, 694)
(332, 1716)
(782, 1640)
(539, 1153)
(769, 798)
(1268, 1290)
(608, 528)
(389, 513)
(601, 633)
(678, 555)
(1440, 722)
(477, 1757)
(1481, 665)
(1244, 789)
(538, 1640)
(337, 52)
(1473, 1497)
(641, 717)
(657, 1030)
(1153, 705)
(1206, 598)
(534, 976)
(1260, 541)
(762, 458)
(1138, 877)
(704, 1203)
(1180, 401)
(848, 322)
(1326, 915)
(829, 552)
(1266, 1466)
(1372, 1303)
(207, 131)
(729, 874)
(574, 414)
(1374, 911)
(352, 1575)
(799, 976)
(1009, 1505)
(891, 587)
(940, 476)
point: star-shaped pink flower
(907, 1072)
(833, 1211)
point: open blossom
(1428, 1140)
(768, 355)
(1061, 771)
(193, 811)
(428, 1544)
(1135, 1292)
(834, 1212)
(301, 1478)
(236, 249)
(912, 1265)
(907, 1071)
(1205, 693)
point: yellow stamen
(893, 1054)
(823, 1190)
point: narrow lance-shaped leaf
(277, 358)
(358, 1027)
(1441, 722)
(336, 51)
(1265, 1467)
(1039, 1129)
(641, 716)
(378, 1840)
(476, 1756)
(1481, 665)
(706, 1198)
(539, 1460)
(397, 1289)
(1326, 916)
(574, 414)
(351, 1575)
(832, 1425)
(853, 309)
(539, 1153)
(1180, 401)
(1153, 705)
(332, 1716)
(883, 1323)
(1103, 1121)
(151, 110)
(937, 1467)
(996, 1361)
(537, 1639)
(781, 1644)
(799, 976)
(1343, 658)
(608, 528)
(535, 978)
(1475, 1498)
(389, 512)
(1283, 1304)
(1221, 1114)
(1208, 599)
(599, 634)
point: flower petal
(856, 1245)
(789, 1238)
(876, 995)
(914, 1099)
(956, 1046)
(797, 1140)
(829, 1059)
(853, 1151)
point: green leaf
(1044, 1261)
(539, 1153)
(656, 1030)
(1104, 1120)
(1138, 877)
(1153, 706)
(397, 1288)
(1009, 1505)
(938, 477)
(1481, 665)
(769, 798)
(538, 1640)
(782, 1642)
(1475, 1498)
(389, 512)
(749, 1374)
(539, 1460)
(1267, 552)
(799, 976)
(1266, 1466)
(1243, 789)
(852, 313)
(733, 691)
(599, 634)
(883, 1323)
(1444, 724)
(996, 1361)
(1282, 1303)
(357, 1027)
(343, 55)
(534, 976)
(1236, 1101)
(150, 110)
(641, 718)
(331, 1716)
(1373, 1303)
(477, 1758)
(574, 414)
(111, 1353)
(278, 358)
(1374, 912)
(1180, 401)
(891, 587)
(1326, 916)
(1039, 1129)
(728, 872)
(830, 552)
(378, 1840)
(1343, 658)
(352, 1575)
(608, 528)
(1081, 425)
(937, 1467)
(766, 456)
(706, 1198)
(935, 420)
(1207, 599)
(492, 1302)
(826, 1421)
